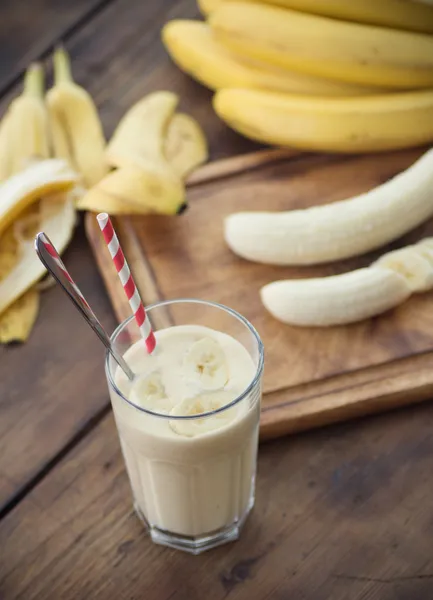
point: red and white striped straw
(54, 254)
(128, 283)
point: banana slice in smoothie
(148, 392)
(205, 363)
(202, 404)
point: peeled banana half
(338, 230)
(354, 296)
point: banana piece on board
(185, 145)
(202, 404)
(193, 47)
(363, 54)
(205, 363)
(336, 300)
(148, 392)
(412, 265)
(338, 230)
(138, 140)
(16, 322)
(39, 179)
(77, 134)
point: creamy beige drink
(190, 476)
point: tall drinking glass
(193, 491)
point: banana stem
(34, 81)
(62, 66)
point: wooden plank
(27, 33)
(341, 513)
(312, 376)
(52, 385)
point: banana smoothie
(189, 476)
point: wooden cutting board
(312, 376)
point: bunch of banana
(152, 150)
(285, 70)
(353, 296)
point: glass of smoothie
(188, 424)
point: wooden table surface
(343, 513)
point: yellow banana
(409, 16)
(196, 51)
(208, 6)
(27, 126)
(75, 123)
(367, 124)
(363, 54)
(5, 163)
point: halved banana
(202, 404)
(148, 392)
(205, 363)
(412, 265)
(337, 299)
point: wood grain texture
(344, 513)
(28, 31)
(52, 385)
(313, 376)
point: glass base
(197, 544)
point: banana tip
(182, 208)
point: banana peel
(77, 134)
(139, 137)
(27, 134)
(5, 161)
(57, 220)
(39, 179)
(97, 200)
(16, 322)
(185, 145)
(135, 190)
